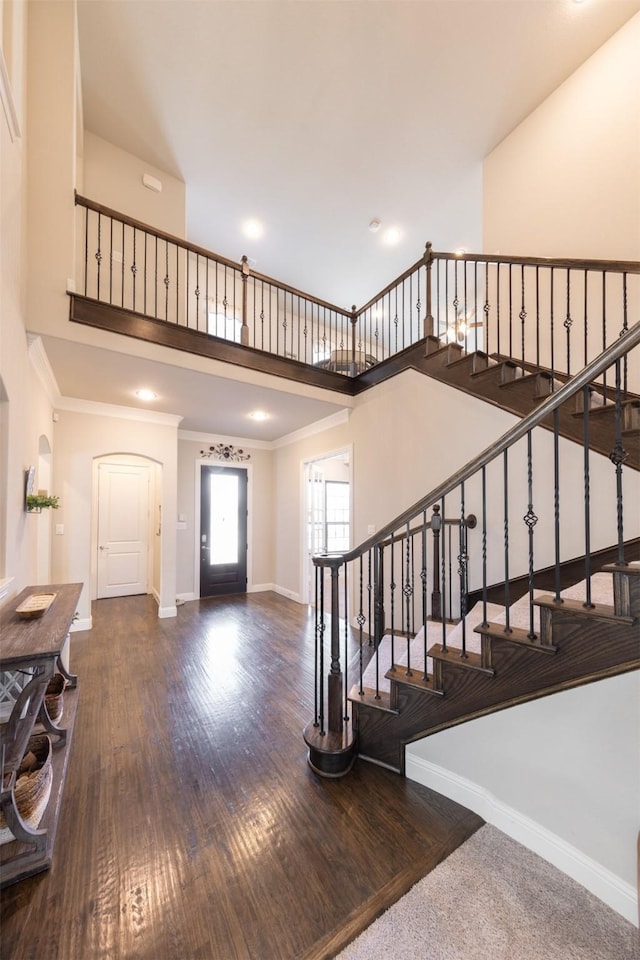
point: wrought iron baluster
(530, 519)
(134, 270)
(369, 594)
(568, 322)
(625, 327)
(522, 315)
(538, 320)
(346, 645)
(443, 554)
(484, 544)
(423, 579)
(618, 456)
(486, 310)
(144, 299)
(551, 319)
(122, 270)
(587, 497)
(463, 560)
(556, 501)
(166, 280)
(498, 321)
(507, 591)
(361, 620)
(99, 255)
(155, 284)
(510, 309)
(86, 250)
(585, 321)
(321, 659)
(408, 593)
(316, 649)
(392, 594)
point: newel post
(331, 751)
(244, 330)
(335, 682)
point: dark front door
(223, 530)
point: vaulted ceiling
(317, 116)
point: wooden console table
(34, 648)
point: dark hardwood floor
(192, 827)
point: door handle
(104, 548)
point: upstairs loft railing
(537, 504)
(556, 314)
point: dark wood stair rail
(332, 751)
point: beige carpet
(493, 899)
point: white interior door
(123, 530)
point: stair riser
(587, 651)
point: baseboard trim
(260, 587)
(602, 883)
(289, 594)
(186, 597)
(165, 612)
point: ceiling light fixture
(259, 415)
(145, 394)
(253, 229)
(392, 236)
(374, 225)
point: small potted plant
(37, 502)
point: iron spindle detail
(99, 256)
(361, 620)
(505, 487)
(436, 596)
(556, 502)
(484, 544)
(463, 560)
(444, 580)
(618, 456)
(522, 314)
(530, 519)
(587, 498)
(423, 579)
(408, 593)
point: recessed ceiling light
(259, 415)
(391, 236)
(253, 229)
(145, 394)
(375, 225)
(460, 252)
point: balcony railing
(556, 314)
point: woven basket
(33, 785)
(54, 697)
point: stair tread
(515, 635)
(380, 702)
(628, 569)
(398, 674)
(601, 611)
(454, 656)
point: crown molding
(196, 436)
(40, 363)
(335, 420)
(96, 409)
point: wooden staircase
(518, 388)
(575, 645)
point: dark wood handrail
(201, 251)
(609, 266)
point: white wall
(113, 177)
(565, 183)
(561, 775)
(25, 410)
(79, 439)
